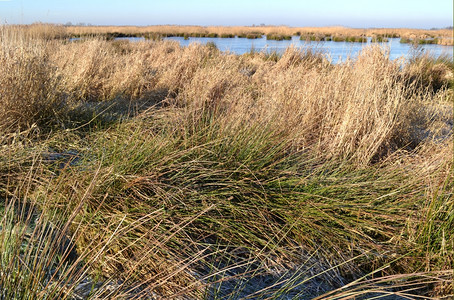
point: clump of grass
(404, 40)
(432, 73)
(40, 253)
(338, 39)
(154, 36)
(419, 41)
(351, 39)
(226, 36)
(380, 38)
(28, 83)
(278, 37)
(356, 39)
(391, 35)
(36, 261)
(201, 34)
(251, 36)
(428, 41)
(314, 38)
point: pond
(337, 51)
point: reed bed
(283, 30)
(50, 31)
(444, 36)
(149, 170)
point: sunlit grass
(148, 170)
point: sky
(350, 13)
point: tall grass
(35, 99)
(50, 31)
(153, 170)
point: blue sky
(352, 13)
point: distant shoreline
(403, 32)
(268, 29)
(157, 32)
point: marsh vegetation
(415, 36)
(441, 36)
(149, 170)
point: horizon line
(83, 24)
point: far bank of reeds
(407, 35)
(443, 36)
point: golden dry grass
(358, 109)
(50, 31)
(271, 156)
(284, 30)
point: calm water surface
(337, 51)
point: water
(132, 39)
(337, 51)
